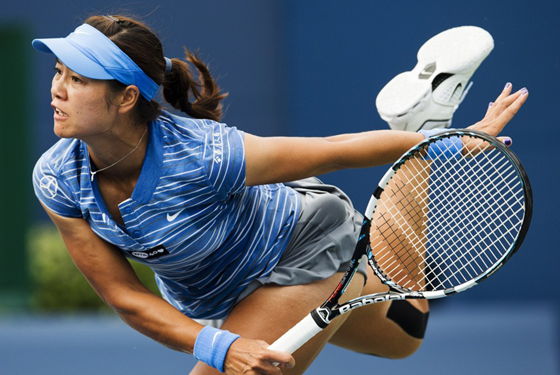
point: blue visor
(88, 52)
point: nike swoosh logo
(170, 218)
(215, 337)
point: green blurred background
(56, 285)
(15, 284)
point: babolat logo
(154, 253)
(368, 301)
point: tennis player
(242, 239)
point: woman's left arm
(281, 159)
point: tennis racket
(447, 215)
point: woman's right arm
(114, 280)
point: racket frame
(320, 318)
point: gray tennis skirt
(322, 242)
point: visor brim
(72, 57)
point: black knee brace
(409, 318)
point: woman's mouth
(59, 115)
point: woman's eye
(57, 70)
(77, 79)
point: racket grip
(296, 336)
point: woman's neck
(118, 155)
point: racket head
(448, 214)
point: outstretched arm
(114, 280)
(281, 159)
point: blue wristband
(427, 133)
(211, 346)
(443, 149)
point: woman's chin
(62, 131)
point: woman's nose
(58, 89)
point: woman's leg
(394, 329)
(388, 329)
(271, 310)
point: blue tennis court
(462, 339)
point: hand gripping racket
(448, 214)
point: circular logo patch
(49, 185)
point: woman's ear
(128, 99)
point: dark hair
(142, 45)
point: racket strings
(397, 265)
(469, 206)
(452, 277)
(477, 259)
(443, 222)
(482, 217)
(403, 220)
(480, 262)
(404, 262)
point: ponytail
(179, 86)
(143, 46)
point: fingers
(505, 92)
(500, 112)
(251, 357)
(281, 359)
(510, 109)
(272, 362)
(506, 141)
(507, 100)
(265, 367)
(496, 108)
(488, 109)
(500, 100)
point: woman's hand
(251, 357)
(501, 111)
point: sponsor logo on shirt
(171, 217)
(153, 253)
(218, 147)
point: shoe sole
(446, 62)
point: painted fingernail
(490, 104)
(524, 91)
(508, 85)
(507, 141)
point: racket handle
(296, 336)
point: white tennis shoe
(427, 96)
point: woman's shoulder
(64, 154)
(210, 147)
(56, 177)
(188, 128)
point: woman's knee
(405, 349)
(393, 330)
(412, 319)
(409, 318)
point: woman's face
(81, 106)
